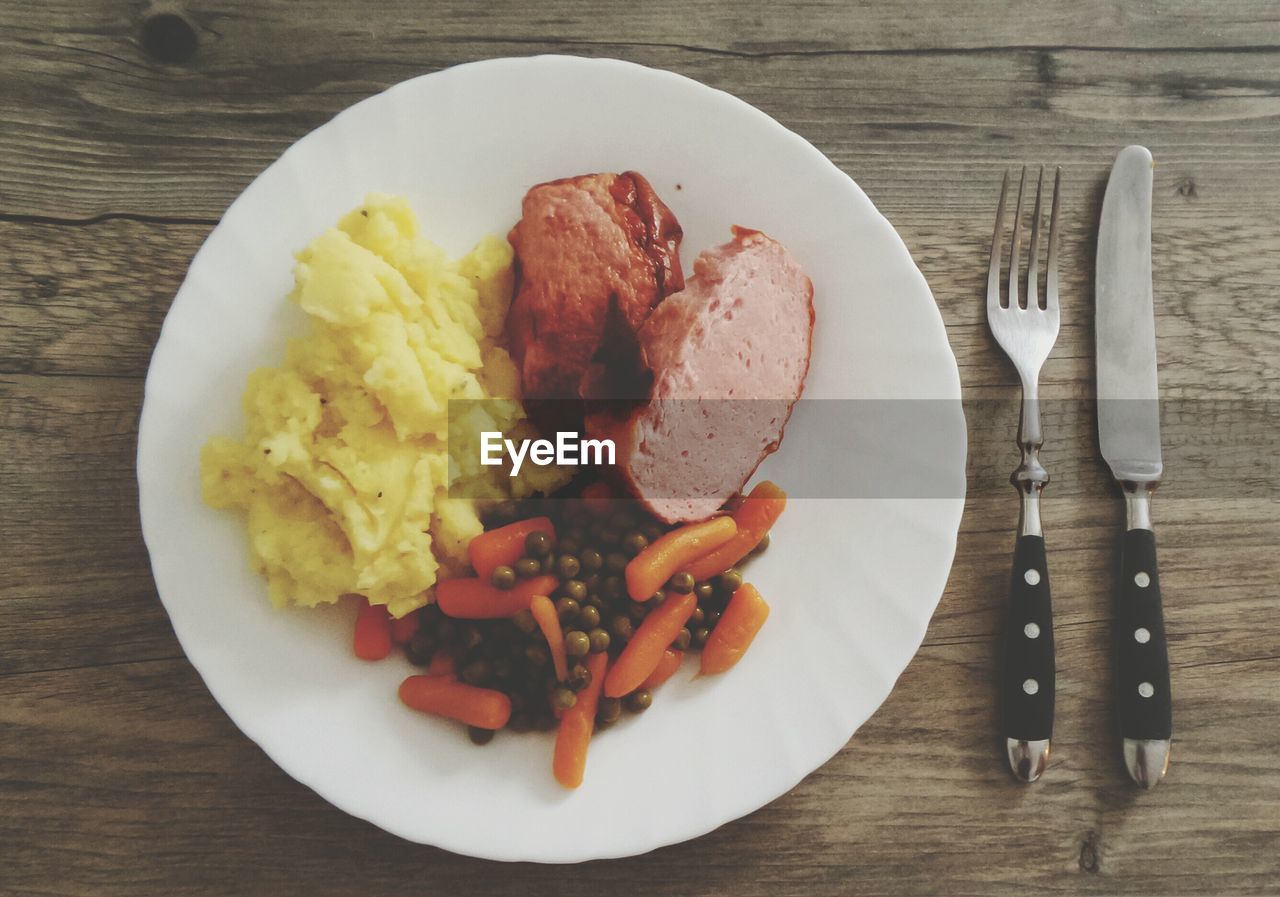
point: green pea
(622, 626)
(591, 560)
(567, 566)
(633, 543)
(566, 608)
(524, 620)
(616, 561)
(475, 672)
(575, 589)
(503, 577)
(479, 735)
(681, 583)
(577, 643)
(579, 677)
(730, 580)
(608, 710)
(563, 698)
(599, 641)
(683, 638)
(639, 700)
(704, 591)
(761, 546)
(700, 636)
(527, 568)
(421, 647)
(537, 544)
(589, 617)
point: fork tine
(1051, 268)
(1017, 243)
(1033, 264)
(993, 276)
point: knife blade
(1129, 439)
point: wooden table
(127, 129)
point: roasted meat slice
(595, 254)
(728, 357)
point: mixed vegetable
(580, 608)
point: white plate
(463, 145)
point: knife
(1129, 436)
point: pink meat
(728, 355)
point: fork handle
(1027, 686)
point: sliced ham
(595, 253)
(728, 357)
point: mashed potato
(346, 462)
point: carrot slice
(649, 570)
(446, 696)
(504, 545)
(472, 598)
(758, 512)
(666, 668)
(741, 620)
(549, 622)
(576, 726)
(652, 637)
(373, 631)
(404, 628)
(598, 498)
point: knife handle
(1144, 703)
(1027, 686)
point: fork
(1026, 331)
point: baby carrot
(666, 668)
(758, 512)
(373, 631)
(649, 570)
(549, 622)
(652, 637)
(576, 726)
(472, 598)
(402, 629)
(484, 708)
(504, 545)
(738, 626)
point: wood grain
(120, 775)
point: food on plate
(676, 551)
(343, 468)
(596, 253)
(646, 647)
(526, 600)
(444, 695)
(741, 620)
(576, 727)
(753, 519)
(728, 356)
(564, 640)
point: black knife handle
(1144, 703)
(1027, 685)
